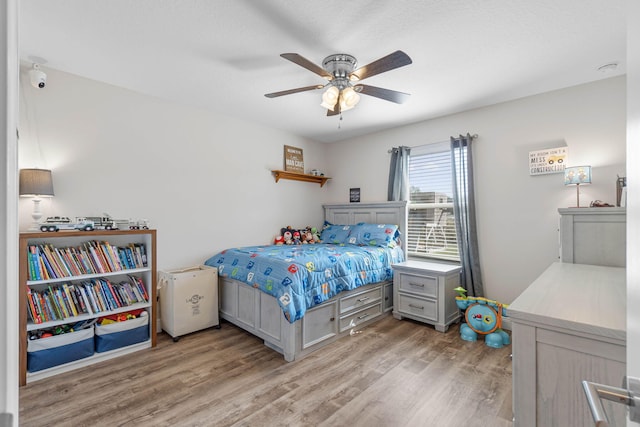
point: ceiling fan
(343, 87)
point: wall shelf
(300, 177)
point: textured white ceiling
(223, 55)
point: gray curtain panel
(465, 214)
(398, 189)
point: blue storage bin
(57, 350)
(121, 334)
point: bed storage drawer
(319, 324)
(420, 285)
(359, 300)
(353, 320)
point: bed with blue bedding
(298, 298)
(303, 276)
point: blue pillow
(337, 234)
(365, 234)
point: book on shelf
(69, 300)
(85, 298)
(53, 263)
(34, 312)
(45, 261)
(45, 302)
(111, 254)
(138, 287)
(104, 253)
(34, 263)
(114, 297)
(59, 259)
(137, 254)
(89, 292)
(97, 262)
(106, 295)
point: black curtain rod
(474, 136)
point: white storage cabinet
(188, 300)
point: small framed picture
(354, 195)
(293, 159)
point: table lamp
(577, 175)
(36, 183)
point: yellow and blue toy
(483, 317)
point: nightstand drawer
(360, 300)
(424, 308)
(420, 285)
(361, 316)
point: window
(431, 228)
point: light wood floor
(394, 373)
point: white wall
(517, 213)
(203, 180)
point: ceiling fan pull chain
(340, 121)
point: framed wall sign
(550, 160)
(293, 159)
(354, 195)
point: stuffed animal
(296, 238)
(287, 235)
(316, 235)
(279, 240)
(307, 236)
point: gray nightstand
(424, 291)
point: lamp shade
(36, 182)
(349, 99)
(330, 97)
(577, 175)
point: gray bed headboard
(375, 213)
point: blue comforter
(303, 276)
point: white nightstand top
(422, 266)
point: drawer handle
(331, 319)
(417, 285)
(362, 299)
(417, 306)
(364, 316)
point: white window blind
(431, 228)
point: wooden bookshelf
(63, 239)
(295, 176)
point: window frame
(433, 235)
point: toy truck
(139, 224)
(57, 223)
(103, 222)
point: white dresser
(424, 291)
(569, 325)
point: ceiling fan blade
(392, 61)
(386, 94)
(290, 91)
(336, 108)
(334, 112)
(305, 63)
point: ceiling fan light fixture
(330, 97)
(343, 90)
(349, 99)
